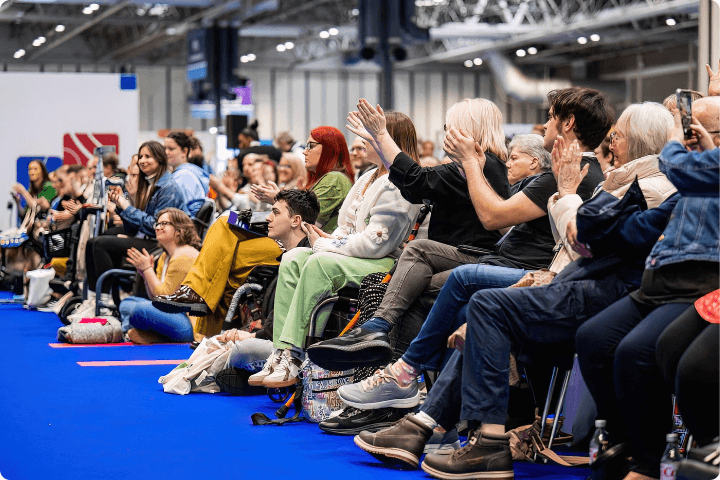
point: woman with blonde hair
(142, 322)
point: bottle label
(667, 471)
(594, 454)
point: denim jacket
(194, 183)
(166, 194)
(693, 232)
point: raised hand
(566, 166)
(373, 119)
(462, 148)
(714, 84)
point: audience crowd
(596, 234)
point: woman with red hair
(228, 256)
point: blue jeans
(136, 312)
(427, 350)
(250, 354)
(544, 317)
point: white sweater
(384, 220)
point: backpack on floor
(319, 394)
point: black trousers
(107, 252)
(688, 352)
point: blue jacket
(693, 232)
(194, 183)
(167, 194)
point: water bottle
(600, 440)
(670, 458)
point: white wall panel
(468, 85)
(283, 93)
(316, 99)
(419, 114)
(401, 91)
(452, 90)
(262, 102)
(436, 107)
(300, 128)
(332, 98)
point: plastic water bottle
(670, 459)
(600, 441)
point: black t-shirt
(530, 244)
(453, 220)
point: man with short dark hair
(229, 254)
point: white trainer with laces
(285, 373)
(380, 391)
(256, 379)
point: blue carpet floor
(59, 420)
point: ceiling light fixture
(478, 61)
(468, 63)
(244, 59)
(60, 28)
(289, 45)
(594, 37)
(212, 130)
(670, 22)
(19, 53)
(520, 53)
(582, 40)
(280, 48)
(333, 31)
(324, 34)
(87, 11)
(251, 57)
(94, 7)
(354, 12)
(532, 50)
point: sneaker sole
(375, 427)
(504, 474)
(396, 453)
(363, 354)
(194, 309)
(256, 382)
(395, 402)
(280, 383)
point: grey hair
(532, 144)
(647, 128)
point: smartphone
(684, 106)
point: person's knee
(415, 249)
(586, 343)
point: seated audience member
(291, 209)
(287, 144)
(538, 129)
(227, 188)
(248, 142)
(212, 276)
(111, 167)
(269, 172)
(605, 155)
(616, 348)
(193, 181)
(670, 101)
(688, 353)
(374, 220)
(473, 385)
(429, 263)
(41, 191)
(142, 322)
(197, 155)
(291, 172)
(358, 156)
(156, 191)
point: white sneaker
(256, 379)
(285, 373)
(85, 310)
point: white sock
(426, 420)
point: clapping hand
(313, 232)
(265, 193)
(566, 166)
(461, 148)
(141, 260)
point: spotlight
(532, 50)
(212, 130)
(324, 34)
(670, 22)
(289, 45)
(355, 12)
(244, 59)
(94, 7)
(595, 37)
(41, 40)
(19, 53)
(36, 42)
(478, 61)
(520, 53)
(468, 63)
(582, 40)
(251, 57)
(333, 31)
(280, 48)
(400, 54)
(87, 11)
(60, 28)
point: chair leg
(560, 405)
(548, 399)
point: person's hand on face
(313, 232)
(461, 148)
(566, 166)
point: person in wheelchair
(215, 277)
(374, 220)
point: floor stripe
(124, 344)
(129, 363)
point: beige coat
(653, 183)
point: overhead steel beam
(7, 4)
(11, 17)
(77, 31)
(606, 18)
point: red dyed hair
(335, 156)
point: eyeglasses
(161, 225)
(311, 145)
(616, 136)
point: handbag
(600, 215)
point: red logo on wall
(78, 147)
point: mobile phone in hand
(684, 106)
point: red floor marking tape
(124, 344)
(129, 363)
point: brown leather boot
(183, 300)
(404, 440)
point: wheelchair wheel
(69, 308)
(279, 395)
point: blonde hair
(482, 120)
